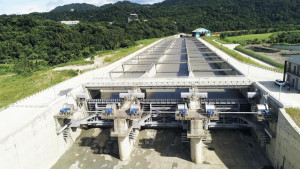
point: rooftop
(295, 60)
(201, 30)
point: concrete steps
(133, 135)
(66, 133)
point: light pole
(53, 90)
(280, 90)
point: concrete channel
(174, 104)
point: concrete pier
(196, 150)
(122, 131)
(196, 134)
(125, 148)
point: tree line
(36, 43)
(37, 40)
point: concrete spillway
(176, 83)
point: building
(201, 32)
(69, 22)
(292, 72)
(133, 17)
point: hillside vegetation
(287, 35)
(32, 44)
(36, 41)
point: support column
(196, 134)
(196, 150)
(122, 131)
(124, 148)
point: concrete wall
(36, 145)
(284, 150)
(287, 152)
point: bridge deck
(215, 82)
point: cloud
(26, 9)
(146, 1)
(54, 3)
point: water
(292, 56)
(287, 47)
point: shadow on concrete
(101, 143)
(64, 92)
(167, 143)
(238, 149)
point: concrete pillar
(196, 150)
(124, 148)
(196, 134)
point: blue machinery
(173, 112)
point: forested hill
(216, 15)
(75, 6)
(31, 42)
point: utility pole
(280, 90)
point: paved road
(262, 76)
(98, 62)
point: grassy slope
(295, 114)
(235, 54)
(14, 88)
(17, 87)
(244, 38)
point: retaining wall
(36, 145)
(284, 150)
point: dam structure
(177, 82)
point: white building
(293, 72)
(69, 22)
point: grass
(259, 57)
(252, 38)
(248, 38)
(6, 69)
(119, 54)
(235, 54)
(295, 114)
(18, 87)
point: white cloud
(146, 1)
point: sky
(28, 6)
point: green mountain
(74, 6)
(37, 40)
(216, 15)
